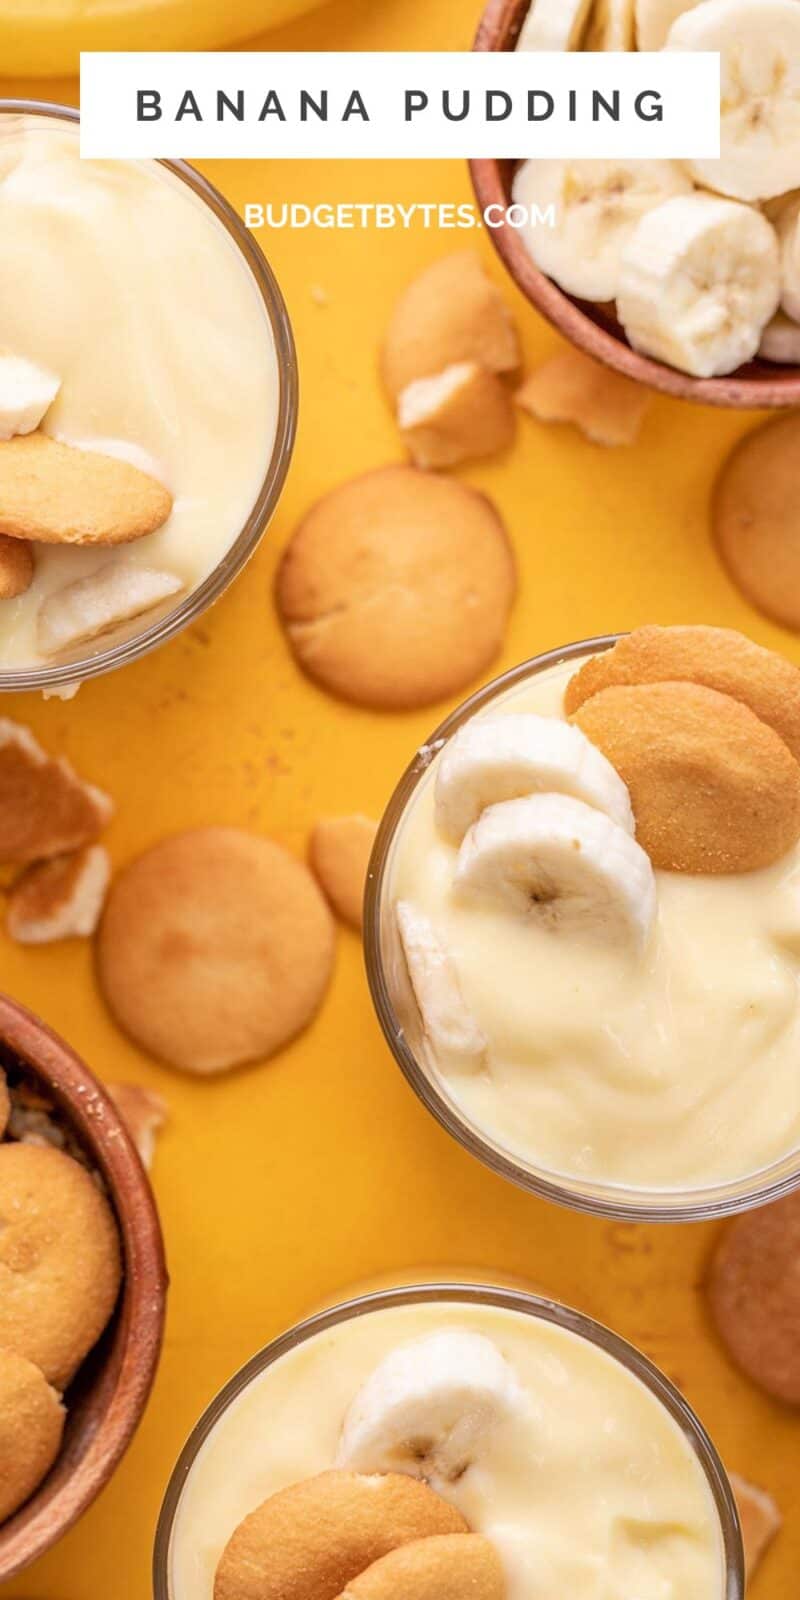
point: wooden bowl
(108, 1395)
(759, 384)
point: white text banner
(288, 105)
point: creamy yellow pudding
(547, 1445)
(121, 284)
(649, 1042)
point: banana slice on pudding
(26, 393)
(451, 1029)
(429, 1407)
(562, 864)
(504, 758)
(95, 605)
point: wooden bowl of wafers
(105, 1400)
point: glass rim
(538, 1306)
(73, 673)
(617, 1202)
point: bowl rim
(68, 675)
(616, 1202)
(579, 321)
(141, 1307)
(540, 1307)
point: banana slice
(554, 25)
(449, 1025)
(597, 207)
(787, 224)
(561, 863)
(654, 18)
(93, 606)
(26, 393)
(611, 26)
(780, 341)
(759, 43)
(700, 280)
(504, 758)
(429, 1407)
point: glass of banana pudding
(147, 401)
(582, 925)
(448, 1439)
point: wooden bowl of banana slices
(682, 275)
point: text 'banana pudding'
(596, 893)
(138, 394)
(441, 1450)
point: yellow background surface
(285, 1184)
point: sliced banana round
(597, 206)
(448, 1023)
(26, 393)
(503, 758)
(103, 600)
(700, 280)
(787, 224)
(554, 25)
(611, 26)
(759, 45)
(654, 18)
(562, 864)
(429, 1407)
(780, 341)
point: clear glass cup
(399, 1018)
(477, 1295)
(66, 675)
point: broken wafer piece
(26, 393)
(45, 808)
(16, 567)
(571, 387)
(144, 1113)
(760, 1519)
(59, 899)
(339, 852)
(455, 415)
(452, 312)
(54, 493)
(93, 606)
